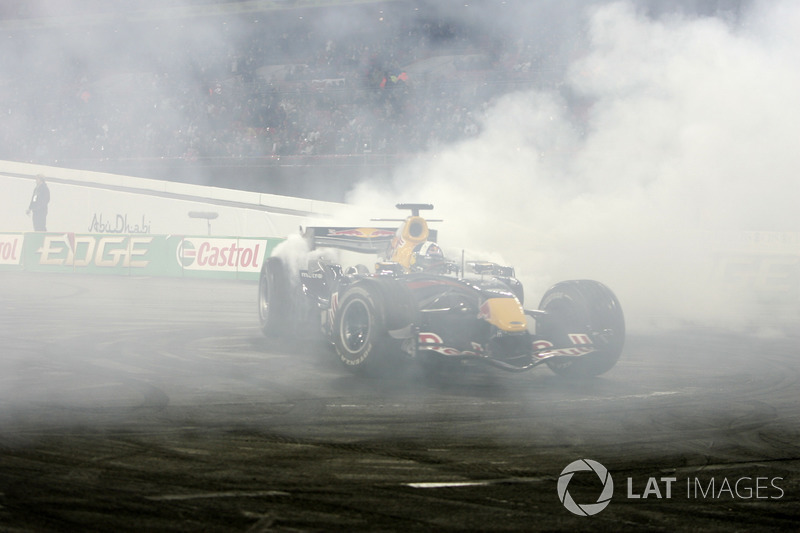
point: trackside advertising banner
(136, 254)
(96, 254)
(762, 264)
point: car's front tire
(583, 307)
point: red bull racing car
(415, 303)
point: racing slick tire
(359, 331)
(274, 298)
(583, 307)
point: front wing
(541, 351)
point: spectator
(38, 205)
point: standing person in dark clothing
(38, 205)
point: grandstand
(300, 97)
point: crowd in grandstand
(275, 90)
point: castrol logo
(221, 254)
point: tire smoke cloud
(672, 135)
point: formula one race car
(415, 303)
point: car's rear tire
(359, 329)
(274, 298)
(583, 307)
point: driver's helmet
(428, 257)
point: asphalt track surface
(145, 404)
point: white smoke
(691, 134)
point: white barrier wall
(752, 274)
(92, 202)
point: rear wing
(354, 239)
